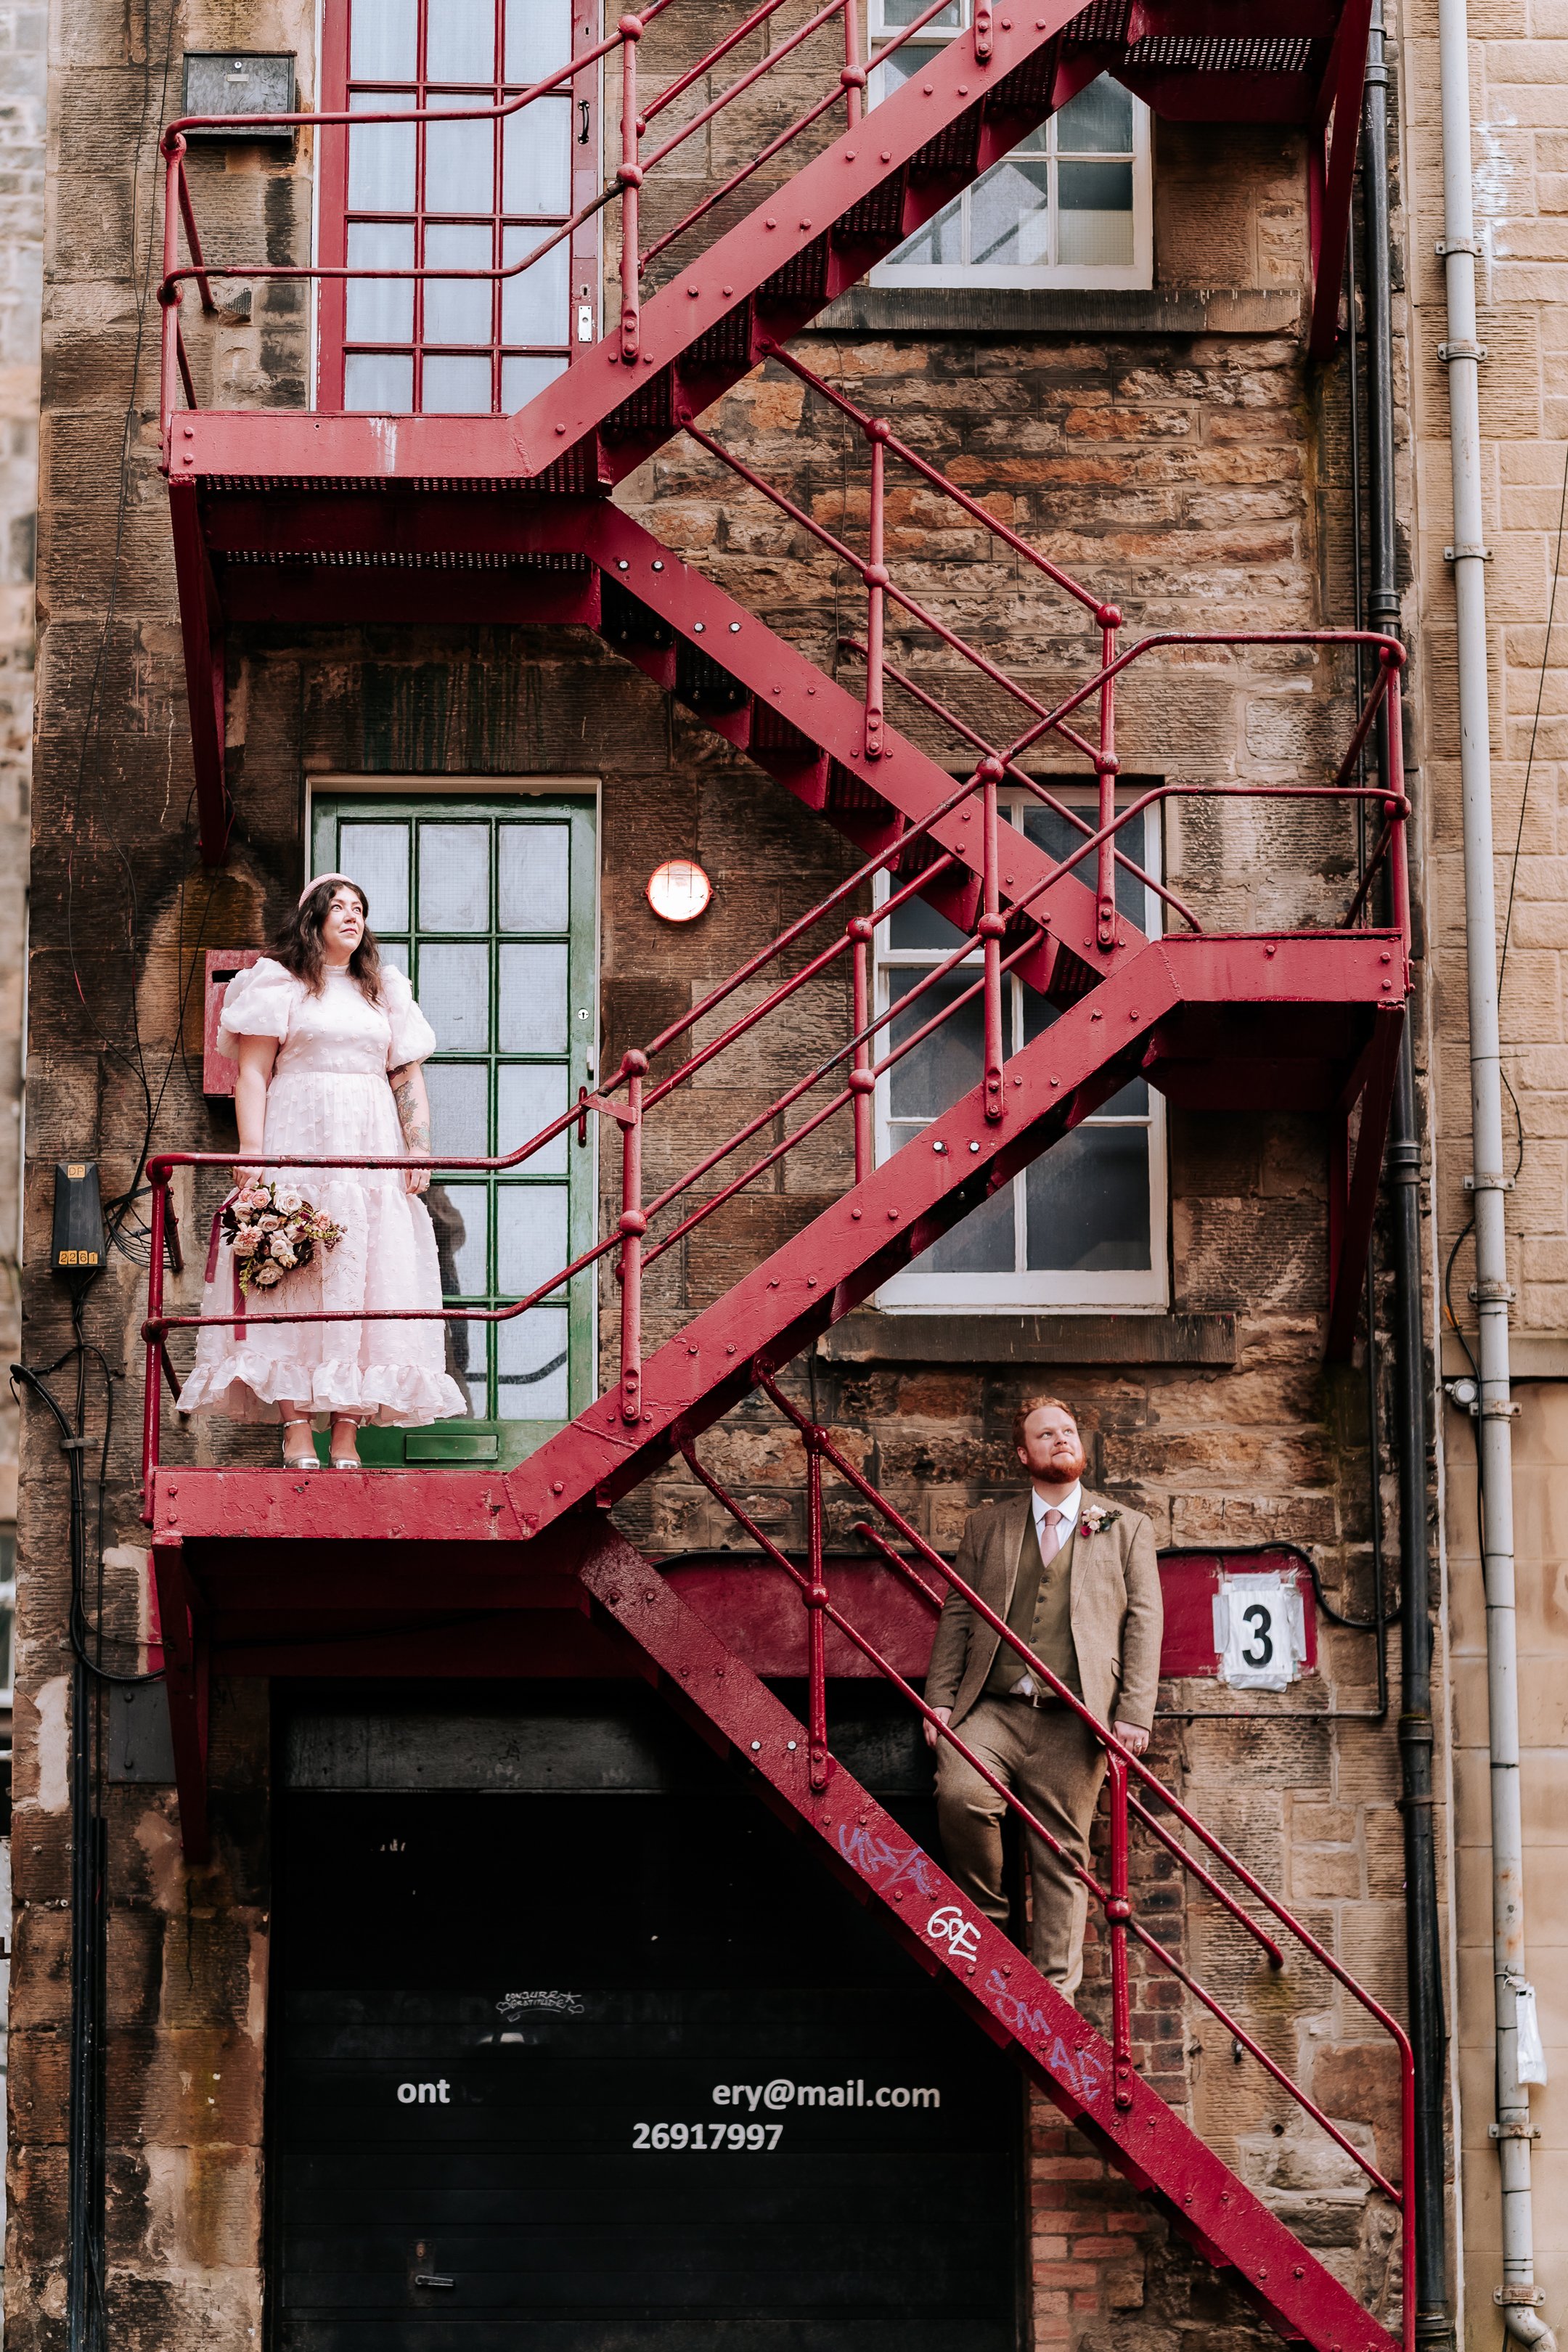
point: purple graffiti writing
(889, 1865)
(1083, 2072)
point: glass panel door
(472, 195)
(489, 906)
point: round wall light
(678, 890)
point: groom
(1075, 1579)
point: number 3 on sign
(1259, 1631)
(1261, 1650)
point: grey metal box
(237, 83)
(141, 1744)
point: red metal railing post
(991, 927)
(169, 295)
(633, 1224)
(1106, 769)
(1118, 1911)
(862, 1078)
(853, 74)
(982, 27)
(877, 430)
(1393, 807)
(153, 1334)
(815, 1620)
(630, 176)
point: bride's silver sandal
(298, 1461)
(344, 1461)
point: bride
(329, 1042)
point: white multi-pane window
(1084, 1227)
(471, 194)
(1069, 206)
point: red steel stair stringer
(906, 1204)
(797, 249)
(777, 678)
(774, 682)
(1146, 2141)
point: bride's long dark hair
(298, 946)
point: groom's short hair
(1029, 1404)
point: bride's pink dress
(329, 1093)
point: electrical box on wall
(238, 83)
(218, 1073)
(76, 1243)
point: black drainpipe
(1423, 1949)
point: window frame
(582, 324)
(1136, 1291)
(1137, 276)
(416, 802)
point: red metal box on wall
(218, 1073)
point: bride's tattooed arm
(413, 1115)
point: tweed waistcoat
(1041, 1615)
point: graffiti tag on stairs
(1082, 2070)
(887, 1865)
(890, 1867)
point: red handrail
(1115, 1898)
(1099, 753)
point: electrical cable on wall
(87, 2317)
(121, 1207)
(1469, 1225)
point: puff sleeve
(413, 1039)
(258, 1002)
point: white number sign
(1260, 1632)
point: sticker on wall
(1260, 1632)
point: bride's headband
(321, 880)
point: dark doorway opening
(557, 2069)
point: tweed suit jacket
(1117, 1613)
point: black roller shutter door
(626, 2074)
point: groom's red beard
(1065, 1468)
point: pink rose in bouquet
(273, 1229)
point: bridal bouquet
(273, 1229)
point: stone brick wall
(1517, 73)
(22, 73)
(1181, 472)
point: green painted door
(487, 905)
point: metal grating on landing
(1214, 53)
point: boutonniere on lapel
(1095, 1517)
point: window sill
(871, 1337)
(1054, 310)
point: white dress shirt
(1069, 1507)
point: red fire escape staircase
(294, 516)
(262, 1571)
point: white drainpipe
(1518, 2294)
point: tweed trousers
(1054, 1763)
